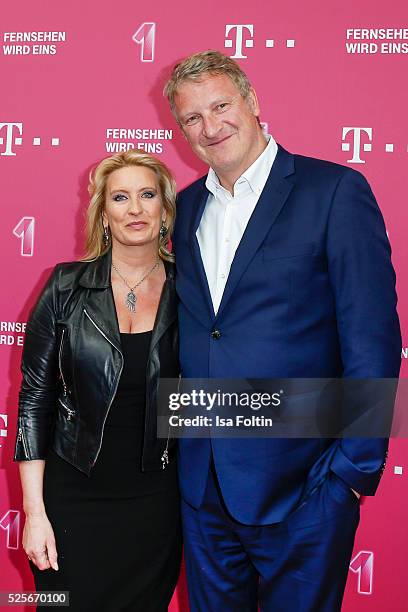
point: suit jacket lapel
(273, 197)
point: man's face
(220, 125)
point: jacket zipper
(165, 455)
(22, 439)
(60, 363)
(116, 386)
(70, 411)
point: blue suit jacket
(311, 293)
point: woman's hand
(38, 535)
(39, 541)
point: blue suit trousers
(297, 565)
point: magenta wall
(326, 90)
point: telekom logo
(359, 140)
(356, 142)
(238, 31)
(11, 135)
(240, 36)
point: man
(283, 271)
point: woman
(99, 489)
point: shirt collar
(255, 176)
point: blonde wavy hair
(94, 245)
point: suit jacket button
(216, 334)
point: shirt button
(216, 334)
(222, 275)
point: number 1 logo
(25, 231)
(10, 522)
(145, 36)
(363, 565)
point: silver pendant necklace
(130, 301)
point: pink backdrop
(331, 78)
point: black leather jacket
(72, 362)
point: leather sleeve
(39, 366)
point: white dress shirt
(225, 218)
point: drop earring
(163, 230)
(105, 236)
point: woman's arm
(38, 535)
(36, 415)
(39, 366)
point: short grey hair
(195, 66)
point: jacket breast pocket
(297, 274)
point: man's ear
(252, 101)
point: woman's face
(133, 206)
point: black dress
(118, 531)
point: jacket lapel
(99, 303)
(274, 195)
